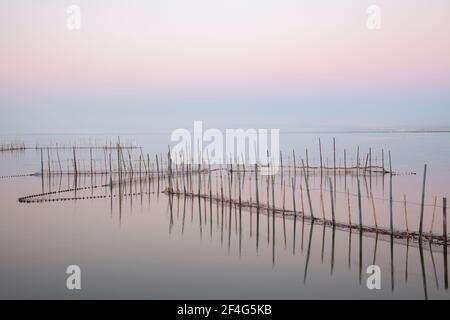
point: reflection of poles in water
(406, 260)
(273, 222)
(406, 215)
(332, 248)
(434, 266)
(200, 215)
(323, 242)
(308, 254)
(391, 210)
(375, 249)
(303, 233)
(240, 231)
(445, 268)
(184, 215)
(284, 216)
(171, 212)
(360, 255)
(250, 192)
(295, 214)
(257, 202)
(422, 263)
(257, 228)
(303, 215)
(210, 218)
(268, 208)
(392, 262)
(221, 225)
(444, 227)
(229, 229)
(349, 248)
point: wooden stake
(321, 158)
(359, 204)
(293, 196)
(42, 164)
(432, 219)
(349, 209)
(307, 191)
(332, 202)
(406, 214)
(307, 162)
(422, 206)
(321, 202)
(373, 208)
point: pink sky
(209, 45)
(291, 61)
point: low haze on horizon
(143, 66)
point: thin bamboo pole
(359, 204)
(332, 202)
(374, 210)
(322, 202)
(307, 192)
(406, 214)
(422, 206)
(349, 208)
(432, 219)
(321, 159)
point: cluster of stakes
(196, 180)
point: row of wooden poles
(20, 145)
(360, 166)
(180, 176)
(77, 166)
(305, 170)
(107, 145)
(12, 146)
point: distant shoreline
(360, 131)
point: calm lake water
(145, 247)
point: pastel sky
(136, 64)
